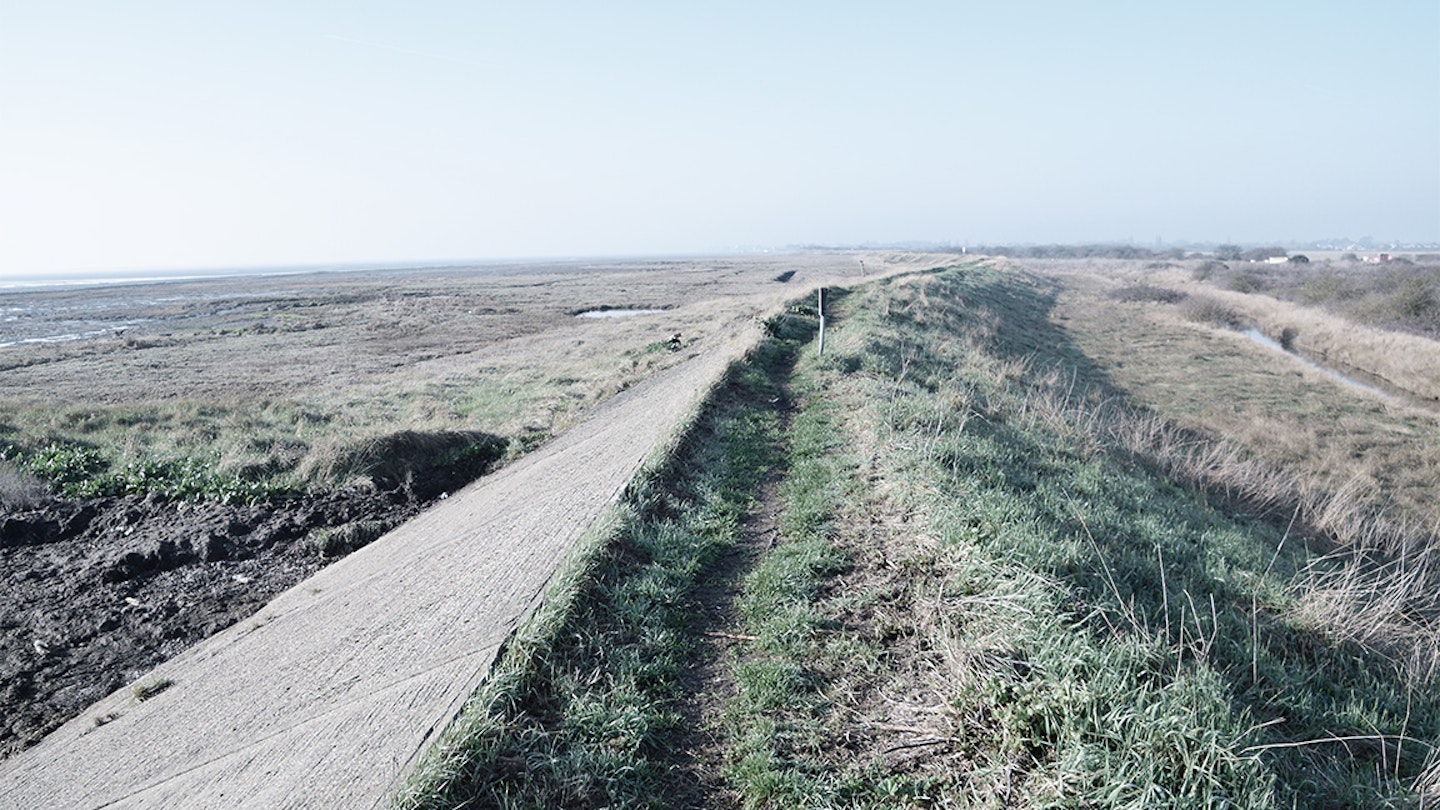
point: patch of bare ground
(708, 685)
(697, 778)
(894, 718)
(100, 591)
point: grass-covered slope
(972, 576)
(1109, 637)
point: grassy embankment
(992, 583)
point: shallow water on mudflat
(617, 313)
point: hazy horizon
(154, 137)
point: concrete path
(331, 693)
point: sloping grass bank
(1103, 636)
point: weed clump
(337, 541)
(1146, 293)
(1206, 310)
(149, 688)
(425, 462)
(80, 471)
(20, 489)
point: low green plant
(79, 471)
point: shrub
(1260, 254)
(1208, 268)
(1245, 282)
(1201, 309)
(1148, 293)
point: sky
(166, 135)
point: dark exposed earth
(98, 592)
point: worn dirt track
(329, 695)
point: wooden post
(820, 305)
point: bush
(1245, 282)
(1208, 268)
(1148, 293)
(1201, 309)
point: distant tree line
(1235, 253)
(1229, 253)
(1078, 252)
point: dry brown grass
(1352, 472)
(19, 489)
(1408, 362)
(1212, 379)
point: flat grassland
(174, 454)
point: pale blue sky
(193, 134)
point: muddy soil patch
(98, 592)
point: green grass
(1123, 643)
(982, 592)
(584, 703)
(780, 707)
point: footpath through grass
(974, 597)
(583, 709)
